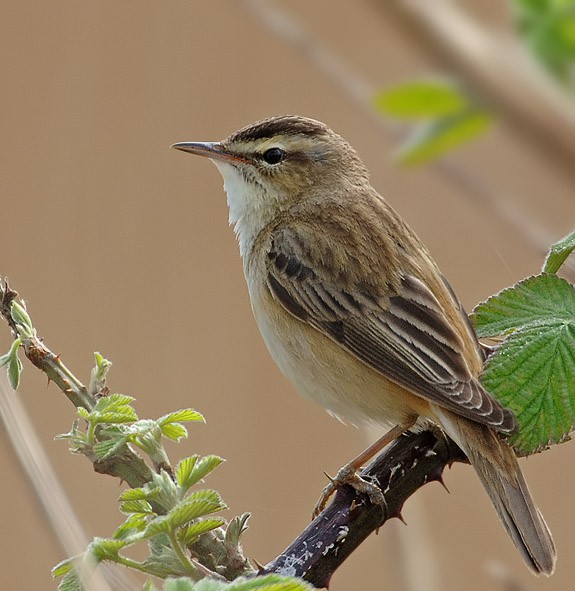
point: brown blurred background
(121, 245)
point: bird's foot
(349, 475)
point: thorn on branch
(401, 469)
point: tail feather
(499, 472)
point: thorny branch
(406, 465)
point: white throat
(249, 206)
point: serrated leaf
(533, 371)
(184, 470)
(206, 494)
(538, 299)
(558, 253)
(107, 448)
(134, 524)
(191, 510)
(198, 504)
(135, 506)
(427, 99)
(137, 494)
(185, 414)
(434, 139)
(124, 415)
(160, 525)
(115, 408)
(174, 431)
(199, 470)
(14, 370)
(194, 530)
(115, 400)
(113, 403)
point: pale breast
(322, 371)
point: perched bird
(354, 310)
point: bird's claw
(349, 475)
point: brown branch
(40, 356)
(405, 466)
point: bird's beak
(212, 150)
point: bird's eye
(274, 155)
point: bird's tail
(497, 468)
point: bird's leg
(349, 473)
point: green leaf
(184, 470)
(136, 506)
(114, 401)
(137, 494)
(149, 586)
(427, 99)
(135, 524)
(98, 374)
(14, 364)
(198, 504)
(191, 510)
(21, 317)
(64, 567)
(170, 423)
(115, 408)
(541, 300)
(13, 352)
(558, 253)
(533, 371)
(431, 140)
(122, 416)
(109, 447)
(191, 470)
(14, 371)
(548, 28)
(163, 561)
(185, 414)
(106, 548)
(191, 532)
(236, 528)
(174, 431)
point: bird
(356, 313)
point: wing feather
(406, 337)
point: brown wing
(405, 337)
